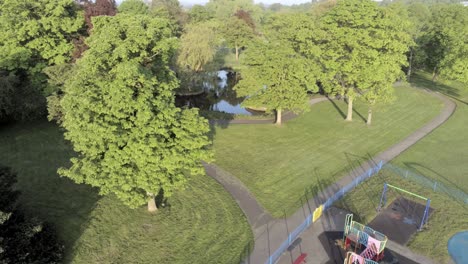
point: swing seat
(301, 259)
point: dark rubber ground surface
(400, 220)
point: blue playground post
(383, 197)
(426, 214)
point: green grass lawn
(200, 223)
(282, 164)
(442, 156)
(448, 217)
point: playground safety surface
(399, 220)
(332, 242)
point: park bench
(301, 259)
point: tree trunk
(369, 116)
(349, 116)
(434, 75)
(278, 116)
(152, 204)
(237, 53)
(410, 64)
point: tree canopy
(36, 33)
(447, 44)
(277, 78)
(358, 45)
(134, 7)
(119, 113)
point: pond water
(458, 246)
(217, 95)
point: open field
(200, 222)
(281, 164)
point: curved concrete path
(269, 233)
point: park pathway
(269, 233)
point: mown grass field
(281, 164)
(200, 222)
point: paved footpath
(269, 233)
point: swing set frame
(383, 201)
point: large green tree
(198, 47)
(35, 34)
(237, 33)
(358, 44)
(447, 43)
(119, 114)
(276, 78)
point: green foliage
(224, 9)
(237, 34)
(360, 47)
(276, 78)
(19, 100)
(199, 13)
(447, 46)
(57, 76)
(120, 115)
(37, 33)
(198, 46)
(133, 7)
(172, 10)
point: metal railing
(436, 186)
(273, 258)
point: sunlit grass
(280, 164)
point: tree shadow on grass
(35, 150)
(338, 109)
(420, 81)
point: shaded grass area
(448, 218)
(199, 222)
(442, 155)
(282, 164)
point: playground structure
(360, 234)
(383, 202)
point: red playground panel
(301, 259)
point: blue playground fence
(428, 183)
(308, 221)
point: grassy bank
(280, 164)
(200, 222)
